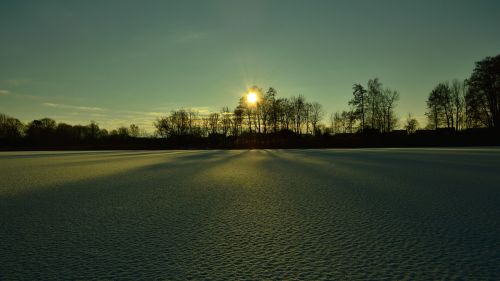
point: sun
(252, 98)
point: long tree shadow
(414, 200)
(135, 222)
(230, 214)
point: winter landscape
(363, 214)
(249, 140)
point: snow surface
(375, 214)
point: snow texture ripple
(361, 214)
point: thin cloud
(98, 115)
(67, 106)
(146, 113)
(190, 37)
(18, 81)
(201, 109)
(20, 95)
(113, 118)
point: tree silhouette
(411, 124)
(484, 91)
(316, 116)
(226, 120)
(390, 97)
(374, 104)
(11, 129)
(461, 107)
(458, 89)
(435, 107)
(238, 120)
(358, 102)
(134, 130)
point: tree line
(472, 103)
(268, 115)
(456, 106)
(48, 131)
(372, 108)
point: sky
(122, 62)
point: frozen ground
(402, 214)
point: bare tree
(213, 122)
(134, 130)
(411, 125)
(390, 97)
(316, 116)
(163, 127)
(298, 104)
(374, 100)
(447, 103)
(306, 116)
(287, 116)
(226, 120)
(346, 121)
(458, 99)
(440, 107)
(237, 120)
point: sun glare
(252, 97)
